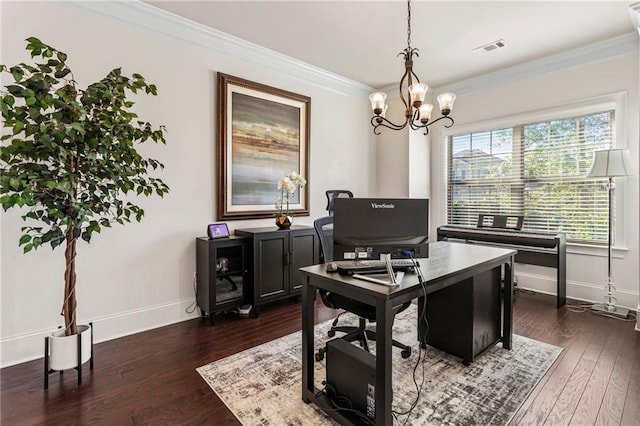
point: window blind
(537, 170)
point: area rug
(262, 385)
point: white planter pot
(63, 350)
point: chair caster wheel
(406, 353)
(319, 356)
(331, 333)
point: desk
(449, 266)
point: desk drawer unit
(464, 319)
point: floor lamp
(610, 163)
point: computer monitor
(363, 228)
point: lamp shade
(377, 101)
(417, 92)
(425, 112)
(446, 102)
(610, 163)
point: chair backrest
(336, 193)
(324, 229)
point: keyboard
(372, 266)
(506, 236)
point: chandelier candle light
(610, 163)
(287, 186)
(417, 113)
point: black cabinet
(222, 274)
(276, 257)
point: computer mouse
(332, 267)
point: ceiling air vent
(491, 47)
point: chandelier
(412, 92)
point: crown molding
(158, 20)
(634, 13)
(593, 52)
(154, 19)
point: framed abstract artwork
(263, 135)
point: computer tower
(351, 374)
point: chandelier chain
(417, 113)
(409, 24)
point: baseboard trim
(585, 292)
(29, 346)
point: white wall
(403, 157)
(586, 269)
(393, 155)
(140, 276)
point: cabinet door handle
(290, 258)
(286, 259)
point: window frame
(613, 101)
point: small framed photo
(217, 230)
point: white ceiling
(360, 39)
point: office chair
(361, 334)
(336, 193)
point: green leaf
(36, 242)
(7, 202)
(14, 183)
(62, 73)
(78, 127)
(55, 242)
(17, 127)
(15, 90)
(24, 239)
(17, 73)
(34, 42)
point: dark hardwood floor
(150, 377)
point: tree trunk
(69, 304)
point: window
(537, 170)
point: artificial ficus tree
(68, 155)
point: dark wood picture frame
(263, 135)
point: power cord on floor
(583, 307)
(420, 361)
(194, 305)
(631, 317)
(578, 307)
